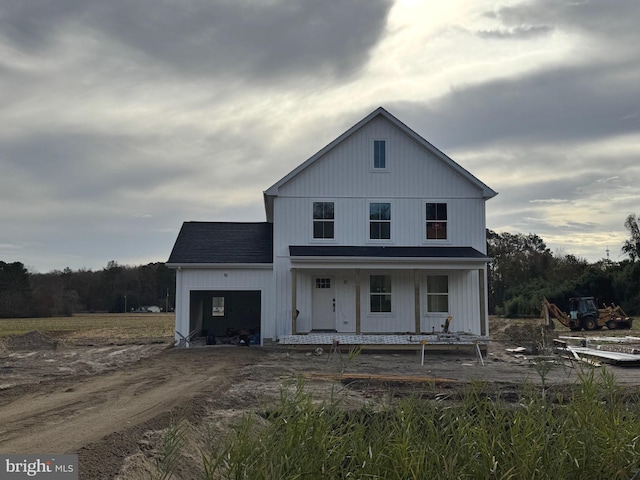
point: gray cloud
(606, 24)
(517, 33)
(263, 39)
(562, 104)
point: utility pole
(166, 309)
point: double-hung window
(437, 294)
(436, 221)
(323, 220)
(379, 154)
(379, 221)
(380, 293)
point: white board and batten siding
(414, 176)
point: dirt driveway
(102, 401)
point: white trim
(427, 312)
(435, 241)
(390, 313)
(372, 155)
(312, 239)
(378, 241)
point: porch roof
(392, 252)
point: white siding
(412, 171)
(414, 177)
(345, 177)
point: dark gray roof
(381, 252)
(223, 242)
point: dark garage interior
(226, 314)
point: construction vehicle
(584, 314)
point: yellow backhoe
(584, 314)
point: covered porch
(387, 296)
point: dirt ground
(110, 402)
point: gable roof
(201, 243)
(272, 191)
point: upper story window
(436, 221)
(379, 154)
(323, 220)
(437, 294)
(380, 293)
(379, 221)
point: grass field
(104, 325)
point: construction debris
(620, 351)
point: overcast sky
(121, 119)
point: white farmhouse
(379, 233)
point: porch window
(323, 220)
(380, 293)
(217, 309)
(436, 221)
(437, 294)
(379, 154)
(379, 221)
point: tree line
(115, 288)
(522, 271)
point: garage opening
(226, 316)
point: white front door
(324, 303)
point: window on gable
(437, 294)
(379, 221)
(436, 221)
(379, 154)
(380, 293)
(323, 220)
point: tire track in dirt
(58, 418)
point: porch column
(483, 306)
(357, 300)
(294, 300)
(416, 286)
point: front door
(324, 304)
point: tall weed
(591, 435)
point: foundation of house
(432, 342)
